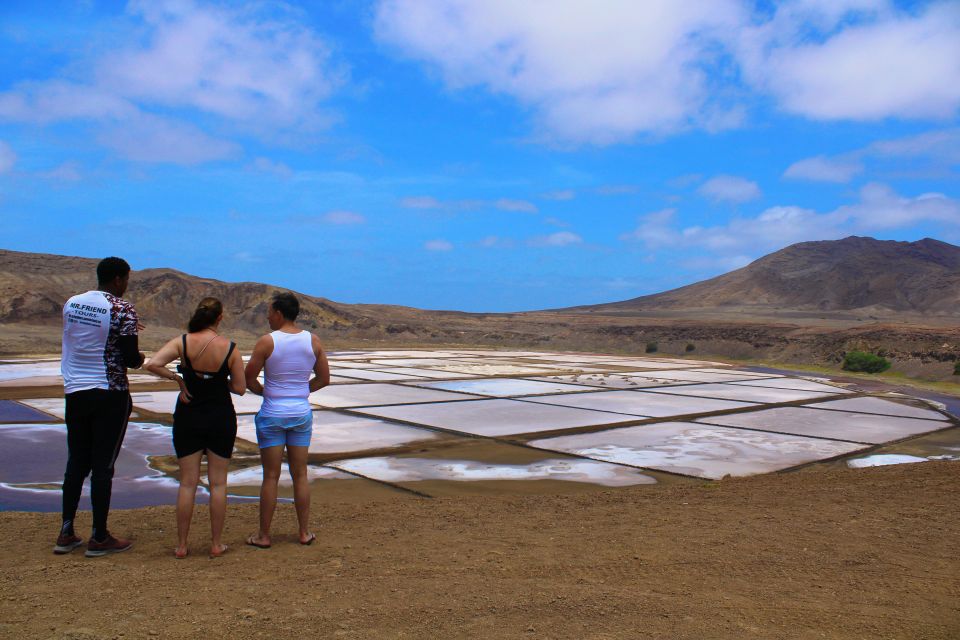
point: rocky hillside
(33, 288)
(912, 276)
(853, 274)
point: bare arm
(238, 380)
(261, 351)
(321, 370)
(157, 365)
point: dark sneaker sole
(66, 548)
(97, 553)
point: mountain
(33, 288)
(854, 274)
(809, 303)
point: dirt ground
(870, 553)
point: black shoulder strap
(227, 357)
(184, 357)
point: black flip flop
(252, 541)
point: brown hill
(33, 288)
(861, 275)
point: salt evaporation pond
(419, 469)
(36, 486)
(456, 417)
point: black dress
(208, 422)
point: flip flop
(219, 553)
(252, 541)
(309, 539)
(180, 556)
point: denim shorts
(293, 432)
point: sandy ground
(815, 554)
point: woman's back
(205, 370)
(204, 354)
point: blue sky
(481, 156)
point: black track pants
(96, 425)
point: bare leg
(297, 459)
(189, 477)
(217, 477)
(271, 457)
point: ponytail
(206, 315)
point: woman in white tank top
(294, 366)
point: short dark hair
(287, 304)
(110, 268)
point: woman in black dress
(204, 420)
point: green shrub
(651, 347)
(690, 347)
(865, 362)
(956, 368)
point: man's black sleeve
(130, 350)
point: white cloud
(8, 157)
(655, 229)
(729, 189)
(824, 169)
(565, 194)
(56, 100)
(860, 61)
(612, 70)
(343, 217)
(496, 242)
(592, 72)
(684, 181)
(148, 138)
(617, 189)
(940, 147)
(879, 208)
(276, 168)
(717, 263)
(227, 61)
(438, 245)
(176, 63)
(421, 202)
(429, 202)
(503, 204)
(507, 204)
(64, 173)
(336, 217)
(248, 257)
(558, 239)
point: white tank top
(286, 375)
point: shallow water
(882, 460)
(498, 417)
(824, 423)
(453, 391)
(389, 469)
(338, 433)
(135, 483)
(14, 412)
(698, 450)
